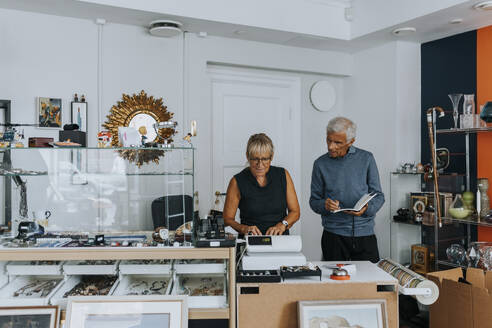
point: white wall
(51, 56)
(57, 56)
(322, 18)
(383, 98)
(374, 15)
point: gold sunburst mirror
(141, 112)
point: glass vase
(455, 100)
(483, 186)
(457, 208)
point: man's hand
(277, 229)
(332, 205)
(362, 211)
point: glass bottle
(468, 111)
(483, 186)
(455, 100)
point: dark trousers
(341, 248)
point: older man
(339, 179)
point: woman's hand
(250, 230)
(277, 229)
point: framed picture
(79, 115)
(127, 312)
(29, 316)
(49, 112)
(343, 313)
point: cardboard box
(459, 304)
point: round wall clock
(323, 96)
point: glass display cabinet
(97, 190)
(90, 216)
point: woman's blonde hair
(259, 143)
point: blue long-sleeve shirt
(346, 179)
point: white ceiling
(341, 25)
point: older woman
(264, 194)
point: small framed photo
(127, 311)
(79, 115)
(29, 316)
(343, 313)
(49, 112)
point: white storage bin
(200, 266)
(145, 267)
(36, 268)
(95, 267)
(203, 292)
(61, 300)
(143, 285)
(18, 284)
(4, 278)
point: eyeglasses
(263, 160)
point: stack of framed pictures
(128, 311)
(343, 313)
(102, 312)
(29, 316)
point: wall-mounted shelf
(468, 221)
(470, 130)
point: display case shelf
(112, 253)
(98, 148)
(408, 223)
(470, 130)
(106, 174)
(468, 221)
(450, 264)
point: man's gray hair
(342, 124)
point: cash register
(272, 252)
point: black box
(74, 136)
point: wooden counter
(275, 304)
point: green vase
(468, 198)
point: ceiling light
(456, 21)
(165, 28)
(402, 31)
(484, 5)
(240, 32)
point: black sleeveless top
(262, 206)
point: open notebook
(360, 204)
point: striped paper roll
(409, 279)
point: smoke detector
(165, 28)
(402, 31)
(484, 5)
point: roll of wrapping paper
(409, 279)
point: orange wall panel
(484, 94)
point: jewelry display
(92, 286)
(44, 263)
(147, 287)
(37, 288)
(96, 262)
(145, 262)
(300, 271)
(197, 286)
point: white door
(248, 103)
